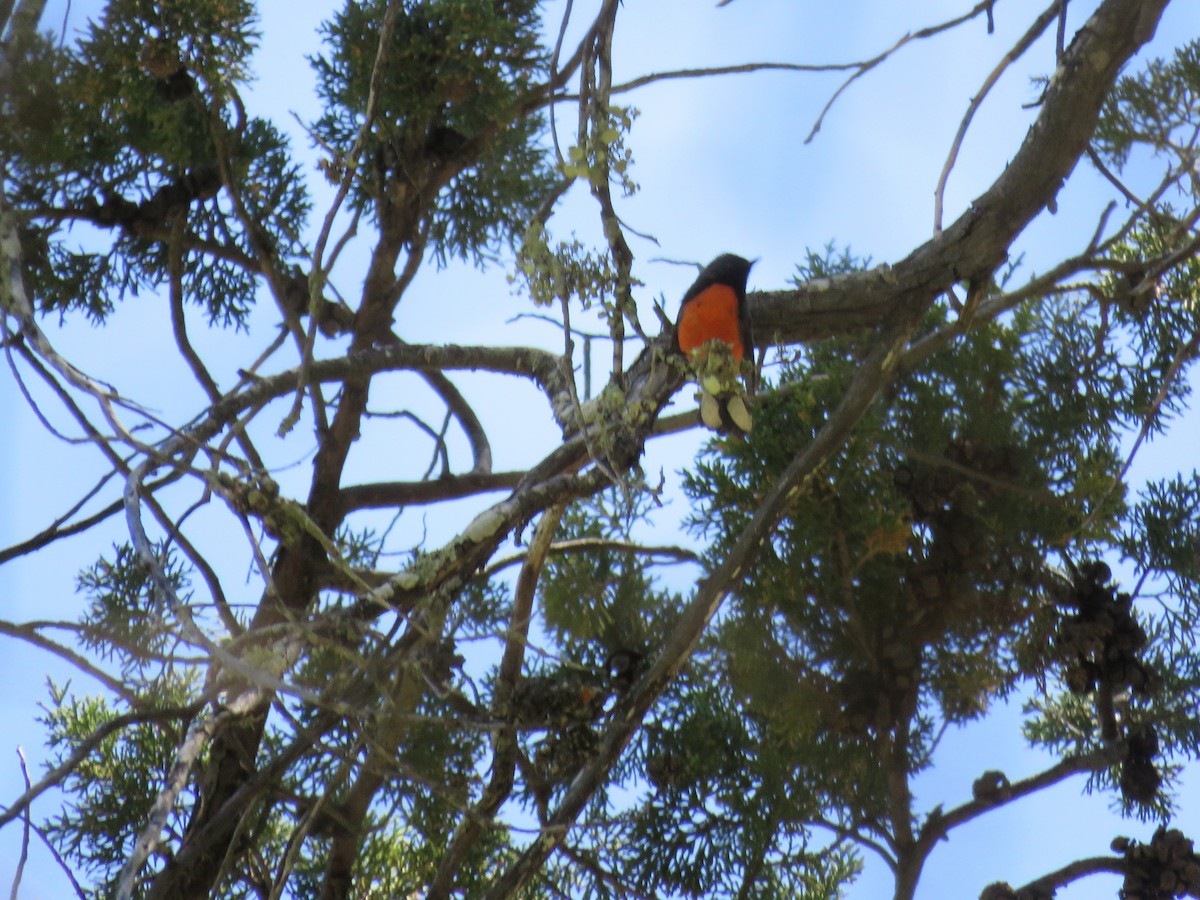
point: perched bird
(713, 332)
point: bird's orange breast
(711, 315)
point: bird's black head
(728, 268)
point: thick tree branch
(978, 241)
(392, 494)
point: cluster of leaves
(127, 620)
(453, 143)
(119, 778)
(138, 129)
(1155, 107)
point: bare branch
(31, 634)
(386, 495)
(1047, 885)
(738, 69)
(1031, 34)
(863, 68)
(16, 884)
(937, 827)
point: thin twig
(863, 68)
(16, 884)
(1031, 34)
(584, 545)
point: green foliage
(128, 620)
(603, 599)
(717, 819)
(1156, 107)
(567, 271)
(708, 819)
(450, 152)
(1162, 536)
(117, 782)
(904, 591)
(136, 126)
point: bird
(713, 332)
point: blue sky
(722, 165)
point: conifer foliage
(286, 688)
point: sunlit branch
(588, 545)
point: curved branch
(1048, 884)
(865, 67)
(977, 242)
(738, 69)
(939, 826)
(390, 494)
(1031, 34)
(481, 449)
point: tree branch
(1047, 885)
(937, 827)
(504, 746)
(978, 241)
(710, 593)
(1031, 34)
(55, 776)
(391, 494)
